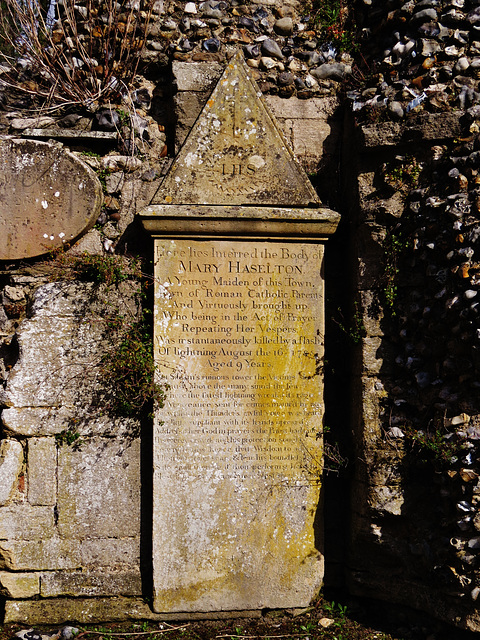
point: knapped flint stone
(429, 47)
(185, 24)
(271, 49)
(396, 109)
(425, 15)
(248, 23)
(268, 63)
(252, 50)
(28, 634)
(212, 45)
(311, 57)
(285, 78)
(473, 17)
(107, 120)
(453, 18)
(311, 44)
(48, 197)
(429, 30)
(211, 10)
(331, 71)
(284, 26)
(462, 65)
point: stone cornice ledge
(217, 221)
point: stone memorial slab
(238, 448)
(238, 338)
(48, 197)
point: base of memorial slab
(125, 618)
(97, 610)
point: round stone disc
(48, 198)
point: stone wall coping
(70, 134)
(432, 126)
(239, 221)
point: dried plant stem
(89, 53)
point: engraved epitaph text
(237, 446)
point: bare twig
(241, 637)
(131, 633)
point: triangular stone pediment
(235, 153)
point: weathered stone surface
(244, 371)
(331, 70)
(23, 522)
(197, 76)
(19, 585)
(91, 583)
(109, 552)
(188, 106)
(45, 421)
(296, 109)
(372, 393)
(136, 194)
(48, 197)
(90, 610)
(263, 222)
(371, 312)
(372, 354)
(238, 151)
(19, 124)
(230, 364)
(424, 127)
(284, 26)
(312, 127)
(91, 242)
(74, 299)
(57, 362)
(39, 555)
(387, 499)
(11, 462)
(99, 489)
(56, 378)
(371, 252)
(42, 471)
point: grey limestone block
(91, 583)
(46, 554)
(113, 552)
(25, 522)
(42, 471)
(19, 585)
(198, 76)
(57, 378)
(99, 489)
(11, 462)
